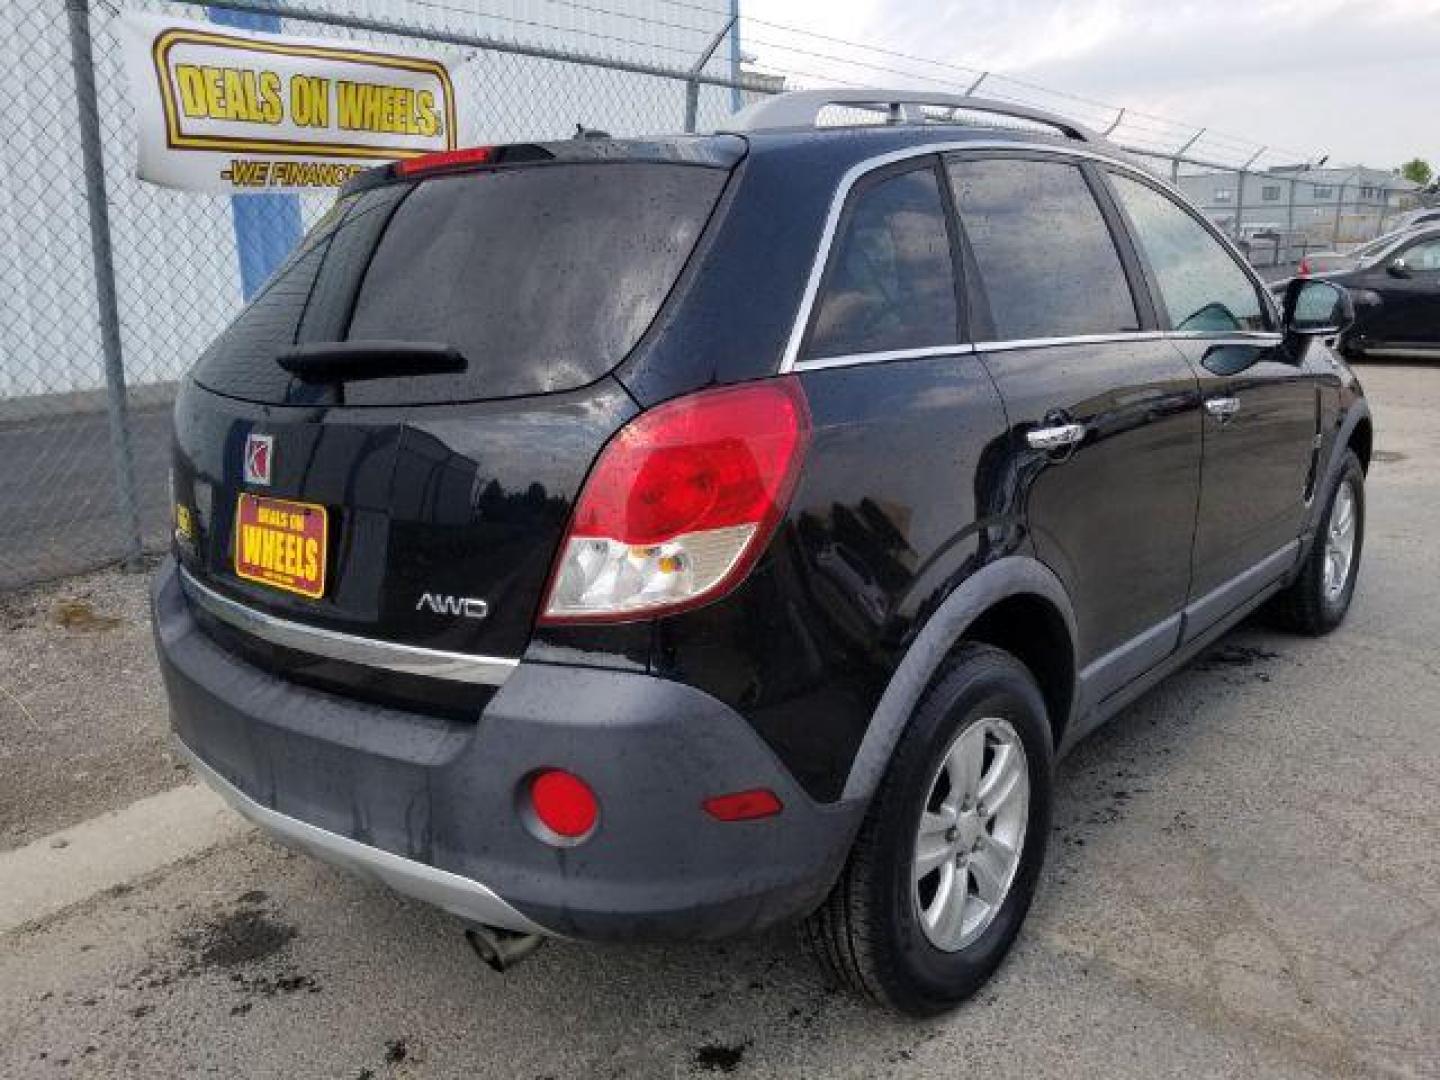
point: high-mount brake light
(680, 504)
(444, 159)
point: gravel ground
(83, 725)
(1242, 882)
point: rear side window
(1422, 258)
(543, 278)
(1046, 257)
(1202, 286)
(891, 280)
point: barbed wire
(1180, 130)
(436, 5)
(1158, 134)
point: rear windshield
(543, 278)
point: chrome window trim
(1072, 339)
(1405, 352)
(1264, 336)
(368, 652)
(852, 359)
(1228, 337)
(1214, 337)
(790, 359)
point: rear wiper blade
(346, 361)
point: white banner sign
(234, 111)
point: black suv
(631, 539)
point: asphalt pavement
(1243, 882)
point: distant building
(1328, 205)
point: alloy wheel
(1340, 541)
(971, 834)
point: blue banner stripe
(267, 227)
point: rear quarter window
(891, 281)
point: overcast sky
(1356, 79)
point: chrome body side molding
(386, 655)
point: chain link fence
(110, 287)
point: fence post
(1290, 221)
(102, 259)
(1240, 191)
(1175, 158)
(1339, 212)
(692, 88)
(1240, 207)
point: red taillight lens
(1304, 267)
(680, 503)
(444, 159)
(564, 803)
(744, 805)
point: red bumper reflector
(744, 805)
(564, 803)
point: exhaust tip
(502, 949)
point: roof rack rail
(802, 108)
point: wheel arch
(1003, 604)
(1032, 629)
(1356, 432)
(1362, 440)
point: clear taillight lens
(681, 503)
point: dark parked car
(1316, 263)
(666, 539)
(1395, 287)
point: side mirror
(1315, 308)
(1397, 268)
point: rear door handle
(1055, 438)
(1222, 408)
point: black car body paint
(922, 513)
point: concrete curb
(67, 867)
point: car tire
(1317, 600)
(884, 931)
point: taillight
(680, 504)
(1304, 267)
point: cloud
(1352, 78)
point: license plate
(281, 543)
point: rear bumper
(457, 895)
(429, 805)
